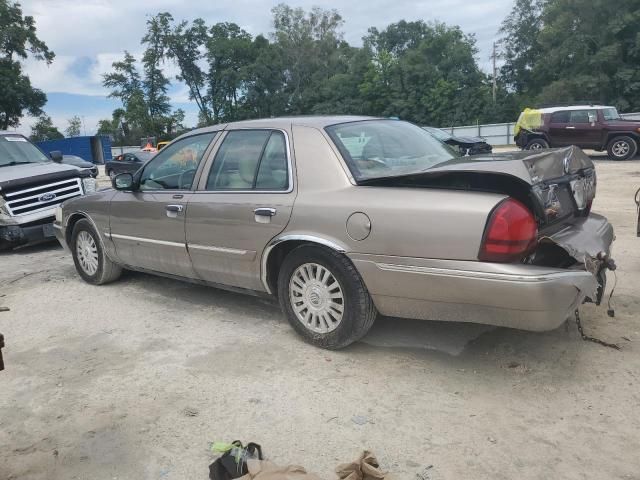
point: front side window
(174, 168)
(383, 148)
(250, 160)
(610, 114)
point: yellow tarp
(529, 119)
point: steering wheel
(181, 183)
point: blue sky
(88, 35)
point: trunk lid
(558, 185)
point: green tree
(426, 73)
(184, 45)
(155, 84)
(126, 85)
(18, 40)
(309, 41)
(573, 50)
(74, 127)
(44, 129)
(520, 47)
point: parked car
(586, 126)
(74, 160)
(466, 145)
(31, 186)
(342, 218)
(127, 162)
(161, 145)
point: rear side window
(560, 117)
(250, 160)
(583, 116)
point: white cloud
(89, 35)
(101, 29)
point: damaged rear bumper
(526, 297)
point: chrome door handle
(570, 128)
(175, 208)
(265, 212)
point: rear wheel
(89, 258)
(111, 174)
(536, 144)
(324, 297)
(622, 148)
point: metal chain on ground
(587, 338)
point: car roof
(316, 121)
(573, 107)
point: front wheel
(324, 297)
(622, 148)
(89, 258)
(537, 144)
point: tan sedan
(343, 218)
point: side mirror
(123, 181)
(56, 156)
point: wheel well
(275, 259)
(280, 251)
(614, 135)
(71, 223)
(537, 136)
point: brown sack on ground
(264, 470)
(366, 467)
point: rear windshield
(385, 148)
(15, 149)
(610, 114)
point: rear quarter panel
(406, 222)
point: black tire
(359, 312)
(622, 148)
(107, 271)
(536, 144)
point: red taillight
(510, 233)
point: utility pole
(84, 127)
(493, 57)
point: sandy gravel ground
(133, 381)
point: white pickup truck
(32, 185)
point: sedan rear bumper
(517, 296)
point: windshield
(384, 148)
(15, 149)
(439, 134)
(610, 114)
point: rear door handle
(265, 212)
(175, 208)
(571, 128)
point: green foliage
(572, 50)
(425, 72)
(74, 127)
(44, 129)
(18, 40)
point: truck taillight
(510, 234)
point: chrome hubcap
(535, 146)
(316, 297)
(87, 253)
(620, 149)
